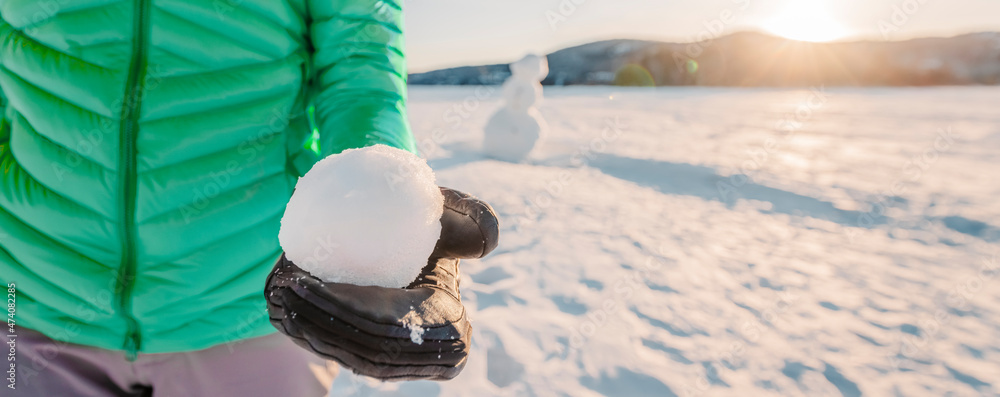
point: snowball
(366, 216)
(520, 95)
(531, 67)
(511, 135)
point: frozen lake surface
(729, 242)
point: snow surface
(858, 258)
(367, 216)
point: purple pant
(266, 366)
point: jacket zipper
(127, 170)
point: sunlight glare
(805, 21)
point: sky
(445, 33)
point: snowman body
(516, 129)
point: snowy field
(729, 242)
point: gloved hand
(371, 329)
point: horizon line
(844, 40)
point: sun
(805, 20)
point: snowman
(516, 128)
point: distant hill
(755, 59)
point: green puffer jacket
(148, 148)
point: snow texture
(414, 323)
(366, 216)
(623, 271)
(516, 129)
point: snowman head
(531, 67)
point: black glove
(363, 329)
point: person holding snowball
(148, 149)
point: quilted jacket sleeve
(360, 74)
(4, 124)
